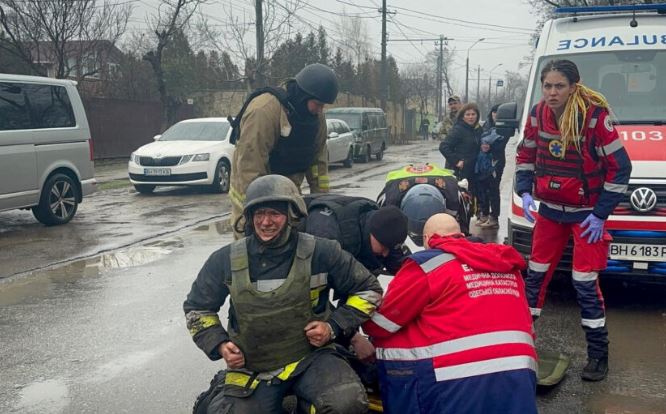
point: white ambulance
(621, 52)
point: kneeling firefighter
(281, 323)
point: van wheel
(144, 188)
(58, 201)
(380, 154)
(350, 159)
(222, 177)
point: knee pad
(348, 398)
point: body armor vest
(347, 211)
(270, 324)
(292, 154)
(570, 178)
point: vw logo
(643, 199)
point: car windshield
(196, 131)
(633, 81)
(353, 120)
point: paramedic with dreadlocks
(283, 131)
(572, 160)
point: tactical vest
(347, 211)
(270, 324)
(294, 153)
(574, 179)
(398, 182)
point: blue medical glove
(528, 202)
(594, 227)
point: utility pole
(440, 77)
(259, 67)
(478, 80)
(383, 81)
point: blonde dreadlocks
(577, 104)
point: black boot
(595, 370)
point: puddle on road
(41, 284)
(45, 396)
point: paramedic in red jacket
(579, 182)
(454, 334)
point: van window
(352, 119)
(634, 82)
(31, 106)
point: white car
(340, 142)
(191, 152)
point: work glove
(594, 227)
(528, 202)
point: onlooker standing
(454, 106)
(499, 149)
(487, 182)
(461, 146)
(425, 128)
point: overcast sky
(506, 26)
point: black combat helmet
(318, 81)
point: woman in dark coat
(461, 146)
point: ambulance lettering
(612, 41)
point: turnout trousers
(549, 240)
(327, 386)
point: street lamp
(467, 68)
(490, 77)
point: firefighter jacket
(572, 184)
(454, 333)
(263, 125)
(331, 268)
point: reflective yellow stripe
(361, 304)
(204, 322)
(288, 370)
(314, 295)
(314, 170)
(237, 198)
(324, 182)
(312, 409)
(239, 379)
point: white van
(624, 57)
(46, 161)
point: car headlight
(184, 159)
(201, 157)
(135, 158)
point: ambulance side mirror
(507, 119)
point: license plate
(157, 171)
(638, 252)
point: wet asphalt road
(106, 333)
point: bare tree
(236, 35)
(172, 17)
(354, 41)
(75, 37)
(419, 86)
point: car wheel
(144, 188)
(222, 179)
(365, 157)
(58, 201)
(350, 159)
(380, 154)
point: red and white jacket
(461, 305)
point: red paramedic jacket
(460, 304)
